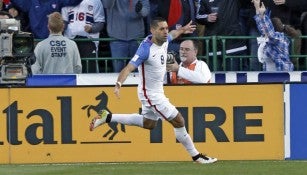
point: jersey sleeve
(64, 12)
(141, 54)
(99, 12)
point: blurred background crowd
(125, 22)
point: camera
(16, 48)
(171, 57)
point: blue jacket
(38, 11)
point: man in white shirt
(190, 70)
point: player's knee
(149, 124)
(149, 127)
(178, 121)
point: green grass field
(165, 168)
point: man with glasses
(190, 70)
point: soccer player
(150, 59)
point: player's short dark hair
(154, 22)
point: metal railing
(209, 45)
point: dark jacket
(288, 13)
(297, 4)
(181, 13)
(227, 23)
(185, 14)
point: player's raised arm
(122, 77)
(189, 28)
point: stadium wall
(27, 138)
(51, 124)
(217, 77)
(297, 122)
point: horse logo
(103, 103)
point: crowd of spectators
(126, 22)
(85, 21)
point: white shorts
(165, 110)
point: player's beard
(160, 39)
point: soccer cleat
(99, 119)
(203, 159)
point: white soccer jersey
(87, 12)
(151, 62)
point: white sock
(128, 119)
(184, 138)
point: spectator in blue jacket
(38, 11)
